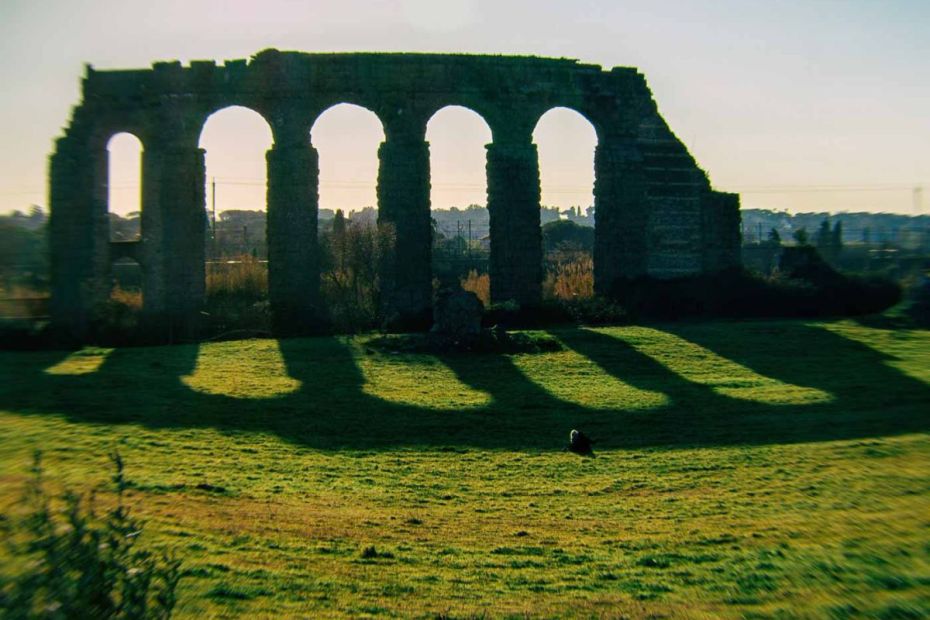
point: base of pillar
(420, 321)
(288, 321)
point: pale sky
(807, 105)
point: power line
(916, 190)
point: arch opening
(235, 140)
(347, 138)
(127, 283)
(124, 186)
(566, 142)
(458, 198)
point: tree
(567, 233)
(774, 238)
(823, 237)
(830, 241)
(837, 237)
(801, 237)
(339, 240)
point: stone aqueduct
(655, 211)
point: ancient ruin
(656, 213)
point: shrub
(226, 315)
(739, 294)
(25, 335)
(562, 234)
(116, 320)
(350, 281)
(920, 306)
(511, 315)
(497, 341)
(79, 565)
(596, 311)
(237, 298)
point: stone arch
(478, 127)
(239, 129)
(594, 117)
(122, 175)
(239, 108)
(234, 140)
(566, 142)
(203, 113)
(124, 157)
(567, 130)
(339, 130)
(458, 137)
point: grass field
(760, 469)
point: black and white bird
(579, 443)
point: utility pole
(213, 201)
(918, 200)
(469, 238)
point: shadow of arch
(330, 410)
(817, 352)
(698, 415)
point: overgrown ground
(762, 469)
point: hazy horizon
(798, 106)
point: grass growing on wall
(762, 469)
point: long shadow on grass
(868, 398)
(339, 413)
(331, 411)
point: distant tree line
(905, 231)
(23, 251)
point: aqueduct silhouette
(655, 211)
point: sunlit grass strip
(83, 362)
(416, 380)
(704, 367)
(257, 371)
(573, 378)
(905, 350)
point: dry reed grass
(241, 275)
(480, 285)
(570, 277)
(132, 299)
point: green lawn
(759, 469)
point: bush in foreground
(78, 565)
